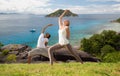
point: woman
(64, 36)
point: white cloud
(103, 0)
(95, 9)
(45, 7)
(23, 6)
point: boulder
(16, 47)
(64, 55)
(19, 50)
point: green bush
(112, 57)
(1, 45)
(11, 58)
(86, 45)
(5, 52)
(118, 20)
(101, 44)
(107, 49)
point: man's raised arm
(43, 30)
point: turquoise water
(14, 28)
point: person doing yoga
(64, 36)
(41, 44)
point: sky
(48, 6)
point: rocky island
(59, 12)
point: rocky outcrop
(17, 49)
(63, 54)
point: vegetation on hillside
(59, 12)
(108, 42)
(118, 20)
(61, 69)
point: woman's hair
(66, 22)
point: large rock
(64, 55)
(19, 50)
(16, 47)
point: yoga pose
(41, 45)
(64, 36)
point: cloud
(25, 6)
(103, 0)
(46, 6)
(96, 9)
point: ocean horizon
(15, 28)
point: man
(41, 45)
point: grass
(61, 69)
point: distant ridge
(59, 12)
(8, 13)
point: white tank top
(62, 37)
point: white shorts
(38, 51)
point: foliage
(5, 52)
(118, 20)
(101, 44)
(61, 69)
(107, 49)
(1, 45)
(112, 57)
(11, 58)
(59, 12)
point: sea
(15, 28)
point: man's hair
(48, 35)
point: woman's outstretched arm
(43, 30)
(60, 18)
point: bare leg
(29, 59)
(68, 46)
(51, 50)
